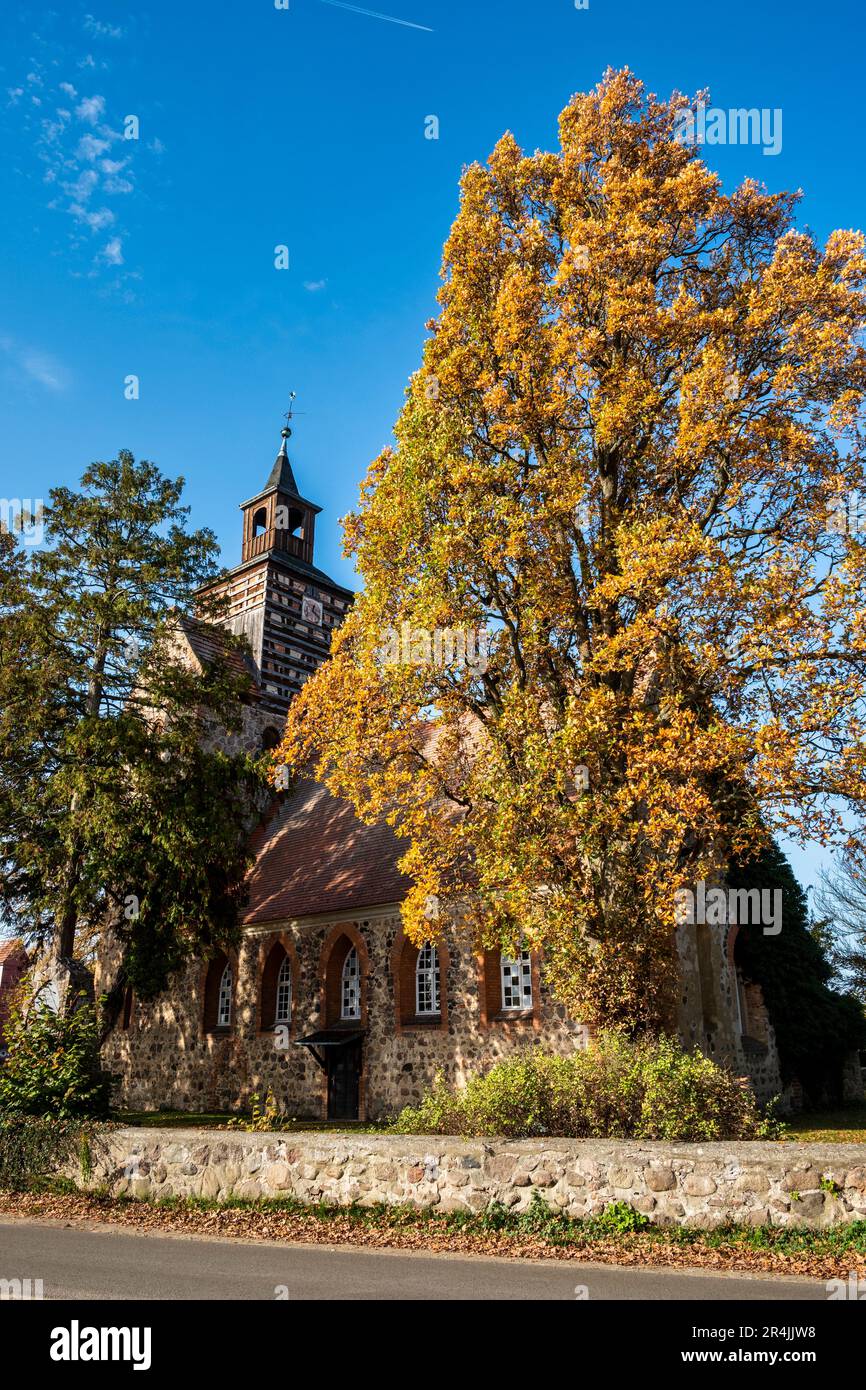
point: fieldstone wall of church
(165, 1059)
(723, 1017)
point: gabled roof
(315, 856)
(209, 644)
(8, 949)
(294, 566)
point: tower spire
(281, 473)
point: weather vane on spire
(287, 428)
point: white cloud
(113, 186)
(314, 285)
(90, 147)
(45, 370)
(99, 30)
(90, 109)
(83, 186)
(82, 159)
(37, 365)
(96, 221)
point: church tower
(276, 597)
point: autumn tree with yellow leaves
(639, 412)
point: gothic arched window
(224, 999)
(284, 992)
(351, 991)
(427, 980)
(516, 977)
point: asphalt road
(75, 1263)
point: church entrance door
(344, 1081)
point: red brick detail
(210, 988)
(490, 994)
(14, 962)
(404, 959)
(338, 943)
(272, 952)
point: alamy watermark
(853, 1288)
(710, 125)
(734, 906)
(440, 646)
(21, 1290)
(77, 1343)
(846, 516)
(23, 518)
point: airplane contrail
(373, 14)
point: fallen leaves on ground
(310, 1228)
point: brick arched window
(427, 982)
(750, 1010)
(219, 994)
(350, 986)
(420, 983)
(224, 997)
(515, 973)
(344, 976)
(284, 993)
(510, 987)
(278, 964)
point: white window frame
(515, 975)
(224, 998)
(350, 985)
(283, 1013)
(428, 1002)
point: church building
(325, 1003)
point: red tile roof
(316, 856)
(209, 644)
(11, 948)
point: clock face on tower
(311, 611)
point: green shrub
(34, 1147)
(53, 1065)
(686, 1096)
(620, 1218)
(616, 1089)
(265, 1116)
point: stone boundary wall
(756, 1183)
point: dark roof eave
(331, 1037)
(288, 562)
(354, 909)
(274, 487)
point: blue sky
(305, 126)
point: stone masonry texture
(705, 1185)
